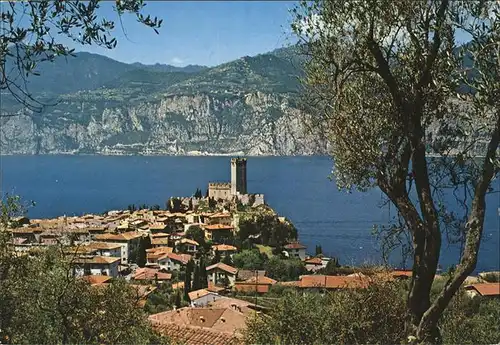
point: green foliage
(198, 193)
(333, 268)
(272, 231)
(197, 234)
(471, 321)
(382, 81)
(42, 303)
(187, 279)
(319, 250)
(163, 299)
(341, 317)
(228, 260)
(196, 285)
(284, 269)
(216, 258)
(174, 205)
(203, 273)
(250, 259)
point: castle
(237, 188)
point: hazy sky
(200, 32)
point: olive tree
(32, 32)
(387, 86)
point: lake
(296, 187)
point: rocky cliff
(247, 106)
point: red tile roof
(198, 294)
(295, 245)
(213, 227)
(182, 258)
(259, 281)
(486, 289)
(224, 267)
(313, 261)
(106, 260)
(196, 336)
(126, 236)
(96, 280)
(151, 274)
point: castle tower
(238, 176)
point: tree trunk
(468, 261)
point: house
(129, 241)
(50, 238)
(153, 254)
(247, 274)
(255, 284)
(157, 228)
(151, 274)
(168, 261)
(224, 249)
(31, 234)
(187, 245)
(296, 250)
(189, 335)
(95, 230)
(96, 265)
(160, 235)
(200, 298)
(313, 264)
(159, 242)
(489, 290)
(218, 232)
(106, 249)
(193, 218)
(221, 322)
(220, 218)
(218, 273)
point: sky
(199, 32)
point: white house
(107, 249)
(202, 297)
(168, 261)
(217, 273)
(187, 245)
(296, 250)
(129, 241)
(96, 265)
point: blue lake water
(296, 187)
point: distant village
(196, 247)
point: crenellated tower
(238, 176)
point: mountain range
(101, 106)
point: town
(216, 256)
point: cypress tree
(187, 280)
(216, 259)
(203, 273)
(141, 258)
(196, 278)
(228, 260)
(177, 299)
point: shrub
(340, 317)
